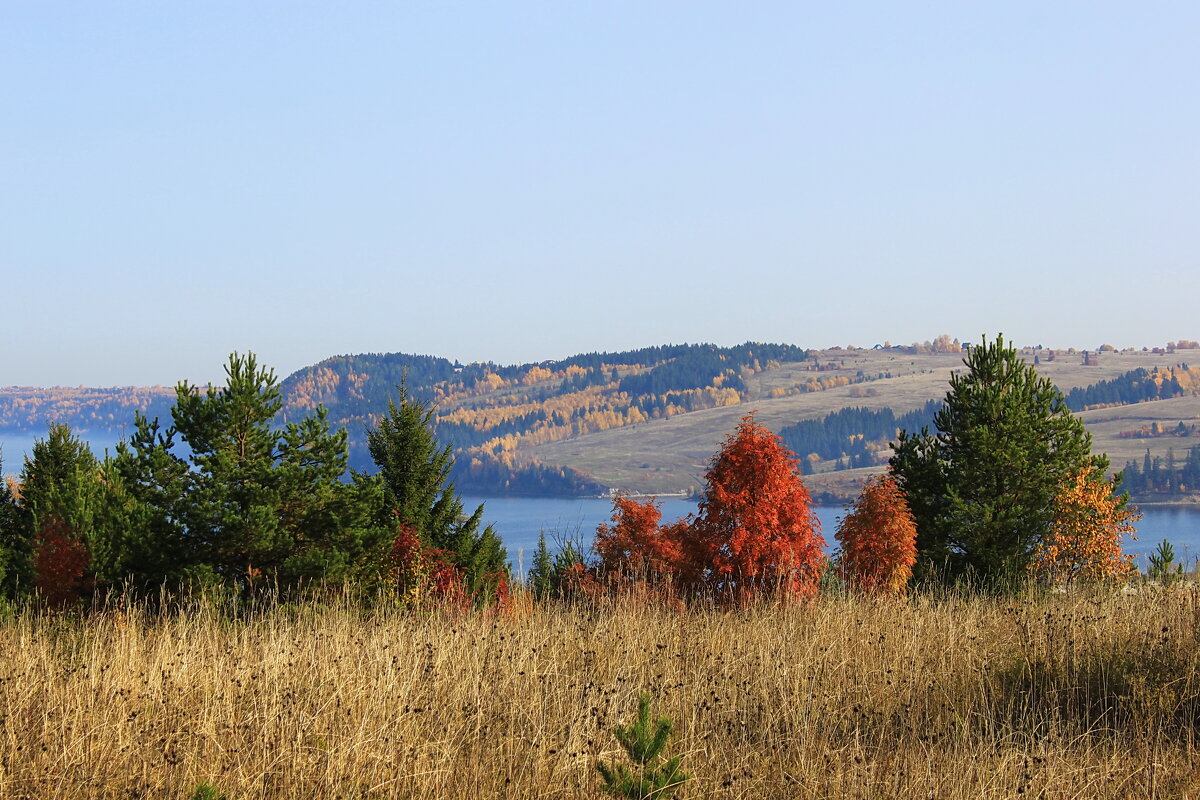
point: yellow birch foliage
(1085, 541)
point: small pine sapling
(643, 741)
(1163, 567)
(206, 791)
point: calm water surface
(518, 520)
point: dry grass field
(671, 455)
(1064, 697)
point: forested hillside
(489, 412)
(647, 419)
(30, 410)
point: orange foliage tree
(635, 543)
(1084, 542)
(878, 539)
(756, 532)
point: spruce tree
(415, 471)
(62, 489)
(983, 488)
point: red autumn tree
(879, 539)
(425, 576)
(635, 543)
(60, 563)
(756, 532)
(1084, 543)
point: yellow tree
(1084, 542)
(878, 539)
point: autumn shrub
(755, 538)
(424, 576)
(60, 564)
(878, 540)
(636, 542)
(1084, 542)
(638, 558)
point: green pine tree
(983, 488)
(651, 776)
(268, 501)
(541, 574)
(62, 489)
(61, 478)
(143, 539)
(1162, 565)
(16, 571)
(415, 471)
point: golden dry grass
(1081, 697)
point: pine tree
(143, 537)
(541, 574)
(16, 546)
(415, 471)
(983, 488)
(266, 501)
(643, 742)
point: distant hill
(648, 420)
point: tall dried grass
(1079, 697)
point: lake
(518, 520)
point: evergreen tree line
(845, 434)
(1134, 386)
(482, 473)
(737, 355)
(692, 371)
(1158, 476)
(225, 497)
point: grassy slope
(671, 455)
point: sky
(519, 181)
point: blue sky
(521, 181)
